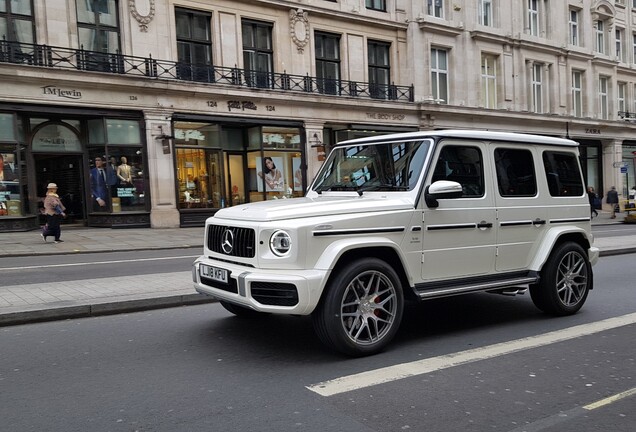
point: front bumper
(593, 254)
(281, 291)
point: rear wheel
(361, 309)
(565, 281)
(241, 311)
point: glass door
(235, 179)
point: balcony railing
(80, 59)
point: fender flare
(551, 239)
(332, 254)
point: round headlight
(280, 243)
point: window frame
(573, 23)
(437, 72)
(599, 39)
(188, 69)
(603, 97)
(376, 5)
(537, 87)
(577, 93)
(435, 8)
(527, 160)
(324, 83)
(99, 27)
(374, 68)
(11, 17)
(485, 12)
(489, 81)
(534, 23)
(620, 46)
(256, 77)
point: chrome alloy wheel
(369, 307)
(572, 279)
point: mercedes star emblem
(227, 242)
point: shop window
(10, 203)
(199, 178)
(7, 130)
(275, 175)
(117, 179)
(56, 138)
(123, 131)
(196, 134)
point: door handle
(538, 221)
(484, 224)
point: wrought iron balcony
(80, 59)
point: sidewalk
(91, 297)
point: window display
(117, 179)
(9, 185)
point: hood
(311, 207)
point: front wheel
(565, 281)
(361, 309)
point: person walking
(591, 195)
(612, 199)
(54, 211)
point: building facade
(197, 105)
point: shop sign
(188, 134)
(385, 116)
(593, 131)
(241, 105)
(62, 93)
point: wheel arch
(554, 239)
(385, 253)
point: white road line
(611, 399)
(405, 370)
(98, 262)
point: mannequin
(124, 171)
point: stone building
(192, 102)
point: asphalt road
(198, 368)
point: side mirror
(442, 189)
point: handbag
(46, 231)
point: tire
(241, 311)
(361, 308)
(565, 281)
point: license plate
(214, 273)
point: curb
(107, 308)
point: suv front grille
(242, 241)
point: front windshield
(392, 166)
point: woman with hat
(54, 211)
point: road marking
(98, 262)
(611, 399)
(406, 370)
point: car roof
(465, 134)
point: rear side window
(515, 172)
(463, 165)
(563, 174)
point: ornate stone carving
(299, 28)
(143, 20)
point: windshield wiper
(384, 187)
(338, 188)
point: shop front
(220, 162)
(41, 145)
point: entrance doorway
(65, 171)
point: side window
(563, 173)
(515, 172)
(463, 165)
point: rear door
(459, 238)
(521, 211)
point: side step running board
(520, 283)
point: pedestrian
(591, 195)
(612, 199)
(54, 211)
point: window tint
(563, 174)
(463, 165)
(515, 172)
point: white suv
(408, 216)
